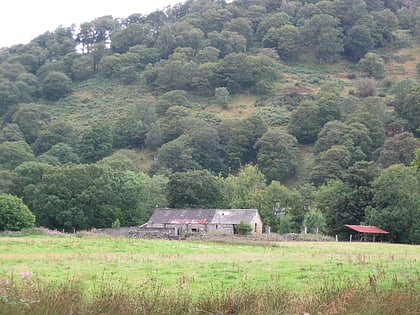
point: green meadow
(200, 270)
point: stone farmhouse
(180, 222)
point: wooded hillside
(306, 110)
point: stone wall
(121, 231)
(153, 233)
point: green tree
(233, 142)
(31, 118)
(273, 21)
(79, 197)
(130, 130)
(132, 35)
(314, 222)
(330, 107)
(331, 199)
(289, 42)
(385, 23)
(226, 42)
(323, 34)
(234, 73)
(358, 42)
(252, 129)
(138, 196)
(194, 189)
(304, 122)
(276, 156)
(331, 134)
(11, 132)
(213, 19)
(279, 204)
(207, 54)
(7, 181)
(373, 122)
(14, 153)
(204, 141)
(9, 94)
(64, 153)
(14, 214)
(82, 68)
(372, 65)
(242, 26)
(175, 156)
(56, 85)
(28, 174)
(330, 164)
(396, 204)
(95, 144)
(358, 141)
(398, 149)
(408, 106)
(57, 132)
(241, 191)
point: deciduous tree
(276, 156)
(396, 204)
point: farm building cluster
(180, 223)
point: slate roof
(233, 216)
(202, 216)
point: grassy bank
(96, 275)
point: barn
(186, 221)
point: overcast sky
(23, 20)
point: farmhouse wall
(257, 225)
(228, 228)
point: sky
(23, 20)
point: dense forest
(307, 110)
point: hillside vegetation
(306, 110)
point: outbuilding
(185, 221)
(362, 232)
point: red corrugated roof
(366, 229)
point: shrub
(222, 96)
(244, 228)
(365, 87)
(14, 214)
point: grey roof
(168, 215)
(234, 216)
(213, 216)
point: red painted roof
(366, 229)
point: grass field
(202, 269)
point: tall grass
(33, 297)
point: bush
(244, 228)
(365, 87)
(14, 214)
(56, 85)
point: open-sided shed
(362, 232)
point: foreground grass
(102, 275)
